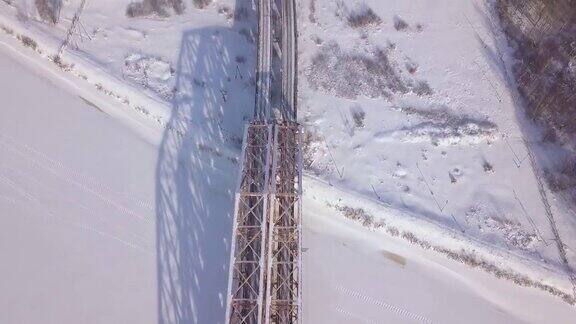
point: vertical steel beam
(265, 274)
(263, 83)
(246, 281)
(283, 285)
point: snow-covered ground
(117, 174)
(85, 234)
(352, 276)
(137, 61)
(76, 205)
(409, 103)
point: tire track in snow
(21, 191)
(355, 316)
(70, 179)
(85, 178)
(89, 211)
(43, 209)
(382, 304)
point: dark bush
(49, 10)
(400, 24)
(201, 3)
(154, 7)
(27, 41)
(363, 17)
(546, 55)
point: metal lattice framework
(266, 263)
(283, 291)
(248, 252)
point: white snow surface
(455, 156)
(117, 176)
(76, 206)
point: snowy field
(76, 206)
(409, 103)
(84, 234)
(117, 171)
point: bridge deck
(265, 264)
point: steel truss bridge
(266, 263)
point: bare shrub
(349, 75)
(422, 88)
(545, 51)
(400, 24)
(317, 40)
(226, 11)
(139, 9)
(442, 126)
(155, 7)
(452, 177)
(201, 4)
(27, 41)
(563, 179)
(444, 116)
(360, 215)
(469, 258)
(49, 10)
(312, 9)
(545, 72)
(176, 5)
(7, 30)
(153, 73)
(392, 231)
(358, 115)
(362, 17)
(487, 167)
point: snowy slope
(354, 276)
(417, 99)
(431, 161)
(77, 214)
(414, 109)
(89, 235)
(136, 60)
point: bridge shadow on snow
(197, 167)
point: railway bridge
(265, 264)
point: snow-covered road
(78, 233)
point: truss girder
(246, 283)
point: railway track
(265, 262)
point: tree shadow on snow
(197, 167)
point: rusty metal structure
(264, 283)
(283, 278)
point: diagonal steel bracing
(246, 285)
(283, 278)
(265, 271)
(266, 264)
